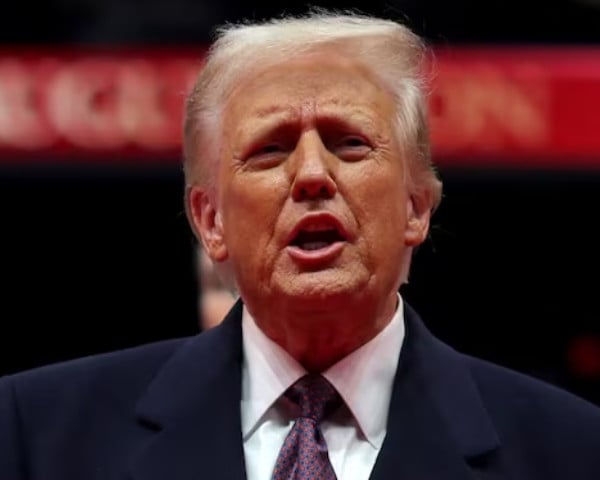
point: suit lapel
(437, 425)
(194, 407)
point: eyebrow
(276, 117)
(273, 110)
(330, 107)
(263, 119)
(334, 111)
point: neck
(318, 338)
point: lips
(317, 230)
(317, 237)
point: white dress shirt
(354, 434)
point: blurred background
(95, 251)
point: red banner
(509, 106)
(531, 107)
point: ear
(205, 219)
(418, 215)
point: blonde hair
(390, 50)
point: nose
(313, 179)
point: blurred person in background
(214, 300)
(309, 184)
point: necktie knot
(303, 455)
(315, 396)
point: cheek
(251, 206)
(380, 204)
(378, 193)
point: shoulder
(72, 406)
(536, 416)
(520, 391)
(116, 375)
(523, 409)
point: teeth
(314, 245)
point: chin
(322, 289)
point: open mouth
(317, 240)
(308, 239)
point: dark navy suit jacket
(172, 411)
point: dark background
(99, 257)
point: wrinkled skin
(312, 136)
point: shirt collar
(267, 372)
(364, 378)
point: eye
(269, 149)
(266, 155)
(352, 142)
(352, 148)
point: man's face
(311, 204)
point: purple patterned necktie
(303, 455)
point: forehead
(324, 83)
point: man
(309, 184)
